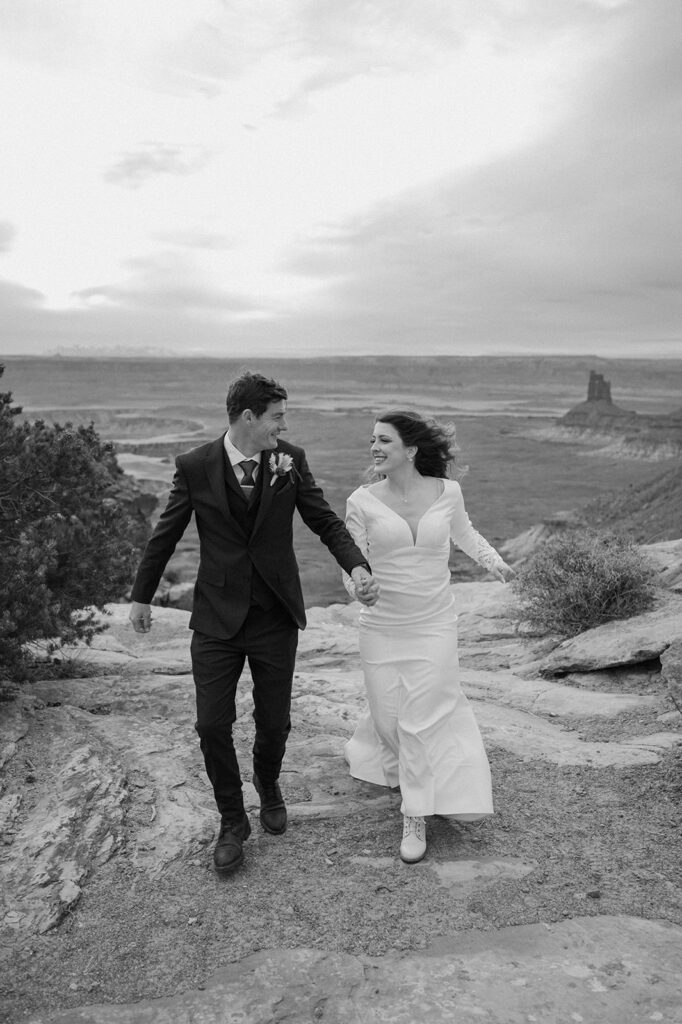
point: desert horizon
(502, 407)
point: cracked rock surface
(567, 905)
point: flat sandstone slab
(530, 737)
(624, 642)
(611, 970)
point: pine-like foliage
(581, 579)
(64, 539)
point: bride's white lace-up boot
(413, 846)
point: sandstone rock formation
(611, 971)
(598, 389)
(599, 418)
(118, 744)
(517, 549)
(597, 408)
(102, 779)
(649, 513)
(640, 639)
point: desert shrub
(582, 579)
(64, 538)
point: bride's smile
(388, 450)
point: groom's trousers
(268, 641)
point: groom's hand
(366, 587)
(141, 617)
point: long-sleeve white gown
(419, 732)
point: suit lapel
(217, 474)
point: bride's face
(387, 449)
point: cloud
(574, 239)
(153, 159)
(197, 238)
(177, 46)
(15, 296)
(189, 46)
(360, 38)
(187, 299)
(560, 227)
(168, 282)
(7, 234)
(337, 43)
(121, 321)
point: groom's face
(266, 429)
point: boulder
(666, 557)
(623, 642)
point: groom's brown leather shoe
(228, 853)
(273, 812)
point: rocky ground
(566, 906)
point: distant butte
(602, 416)
(599, 409)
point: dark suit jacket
(222, 593)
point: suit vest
(244, 511)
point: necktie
(248, 465)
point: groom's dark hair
(252, 391)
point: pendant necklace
(401, 498)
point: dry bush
(582, 579)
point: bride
(419, 733)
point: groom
(243, 489)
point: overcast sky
(341, 176)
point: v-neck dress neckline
(413, 533)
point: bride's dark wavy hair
(435, 442)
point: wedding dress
(419, 732)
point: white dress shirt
(235, 457)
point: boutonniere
(280, 465)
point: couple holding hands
(418, 732)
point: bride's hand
(368, 593)
(503, 572)
(366, 588)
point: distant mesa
(659, 436)
(648, 512)
(598, 407)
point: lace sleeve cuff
(349, 585)
(358, 530)
(486, 555)
(470, 540)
